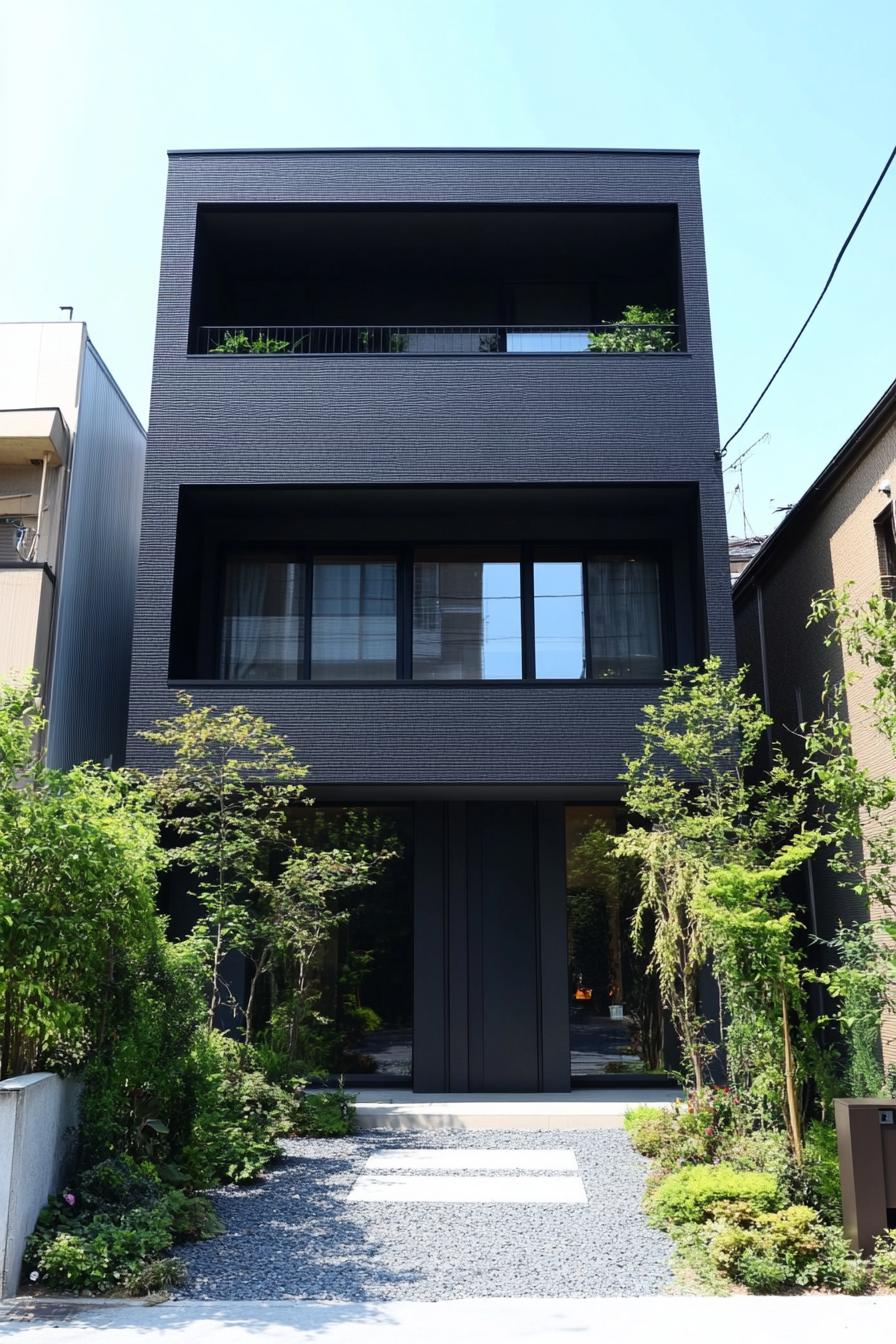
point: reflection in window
(263, 617)
(353, 620)
(361, 981)
(466, 617)
(559, 619)
(624, 614)
(615, 1022)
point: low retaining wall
(38, 1122)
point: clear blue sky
(790, 101)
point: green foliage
(225, 798)
(157, 1277)
(649, 1128)
(78, 860)
(192, 1217)
(106, 1232)
(139, 1094)
(883, 1261)
(714, 844)
(116, 1185)
(789, 1248)
(101, 1254)
(238, 1119)
(638, 330)
(325, 1115)
(239, 343)
(688, 1195)
(856, 807)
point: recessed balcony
(572, 280)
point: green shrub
(239, 1116)
(790, 1248)
(192, 1217)
(325, 1115)
(100, 1253)
(883, 1261)
(116, 1185)
(157, 1277)
(639, 329)
(139, 1093)
(649, 1128)
(687, 1196)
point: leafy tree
(78, 859)
(714, 843)
(225, 798)
(857, 808)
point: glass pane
(466, 618)
(353, 625)
(559, 619)
(361, 983)
(615, 1022)
(262, 628)
(624, 610)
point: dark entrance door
(490, 948)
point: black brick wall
(465, 420)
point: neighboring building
(71, 473)
(740, 552)
(841, 531)
(446, 550)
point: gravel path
(294, 1235)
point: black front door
(490, 948)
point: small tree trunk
(261, 969)
(793, 1114)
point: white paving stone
(474, 1159)
(379, 1187)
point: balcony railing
(598, 338)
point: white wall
(38, 1119)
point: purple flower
(69, 1199)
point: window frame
(403, 553)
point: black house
(414, 494)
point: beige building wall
(26, 610)
(838, 546)
(40, 367)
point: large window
(353, 618)
(624, 615)
(452, 614)
(466, 617)
(262, 626)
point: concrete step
(586, 1108)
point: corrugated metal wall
(92, 648)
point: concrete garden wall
(38, 1120)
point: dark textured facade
(619, 449)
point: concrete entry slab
(586, 1108)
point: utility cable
(840, 255)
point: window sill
(181, 683)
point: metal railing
(601, 337)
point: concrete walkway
(585, 1108)
(804, 1320)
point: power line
(840, 255)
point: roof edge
(820, 491)
(424, 149)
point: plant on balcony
(639, 330)
(238, 343)
(379, 342)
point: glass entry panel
(362, 977)
(615, 1024)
